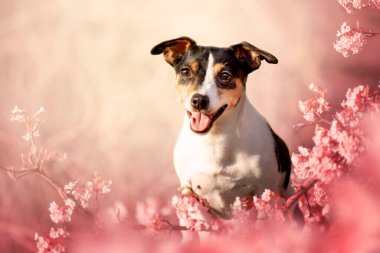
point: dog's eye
(225, 76)
(185, 72)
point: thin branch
(292, 200)
(371, 33)
(306, 124)
(52, 183)
(171, 226)
(302, 125)
(308, 203)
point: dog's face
(210, 80)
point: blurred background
(111, 106)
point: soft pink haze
(104, 116)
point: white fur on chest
(235, 159)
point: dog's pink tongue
(199, 121)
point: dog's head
(210, 80)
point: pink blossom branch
(351, 5)
(352, 39)
(170, 226)
(292, 200)
(307, 124)
(21, 173)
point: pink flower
(313, 108)
(351, 39)
(337, 147)
(58, 233)
(81, 193)
(157, 223)
(18, 114)
(29, 135)
(193, 214)
(101, 186)
(357, 99)
(30, 123)
(270, 206)
(61, 213)
(348, 141)
(51, 243)
(351, 5)
(244, 216)
(42, 243)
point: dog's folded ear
(252, 56)
(173, 50)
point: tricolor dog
(226, 148)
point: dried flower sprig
(72, 194)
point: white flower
(42, 244)
(61, 213)
(58, 233)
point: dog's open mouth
(202, 122)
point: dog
(226, 148)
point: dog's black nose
(199, 102)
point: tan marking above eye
(217, 68)
(194, 66)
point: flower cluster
(351, 39)
(78, 193)
(338, 144)
(351, 5)
(82, 192)
(270, 206)
(35, 159)
(63, 213)
(194, 213)
(52, 243)
(73, 194)
(31, 123)
(100, 186)
(313, 108)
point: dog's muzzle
(202, 122)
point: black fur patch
(226, 86)
(200, 55)
(282, 156)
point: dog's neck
(231, 119)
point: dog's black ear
(173, 50)
(252, 56)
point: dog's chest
(213, 163)
(197, 155)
